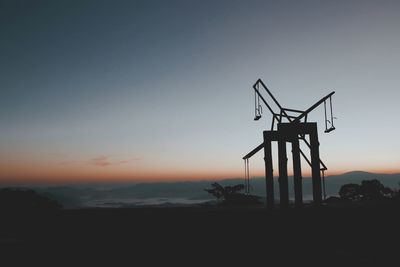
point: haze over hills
(161, 193)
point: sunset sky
(161, 90)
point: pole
(315, 166)
(269, 173)
(297, 177)
(283, 175)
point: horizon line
(82, 181)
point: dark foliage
(374, 189)
(368, 190)
(18, 199)
(333, 200)
(230, 195)
(350, 192)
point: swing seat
(256, 118)
(330, 129)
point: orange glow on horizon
(97, 171)
(107, 175)
(53, 176)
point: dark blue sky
(161, 89)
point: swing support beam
(295, 128)
(289, 133)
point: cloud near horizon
(100, 161)
(104, 161)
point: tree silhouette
(230, 195)
(368, 190)
(350, 192)
(18, 199)
(374, 190)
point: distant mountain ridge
(76, 196)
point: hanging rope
(257, 106)
(246, 176)
(331, 126)
(323, 183)
(330, 100)
(326, 118)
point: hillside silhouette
(25, 200)
(330, 235)
(118, 195)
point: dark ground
(327, 236)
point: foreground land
(327, 236)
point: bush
(368, 190)
(18, 199)
(230, 195)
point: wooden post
(283, 175)
(269, 173)
(315, 164)
(297, 177)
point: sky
(162, 90)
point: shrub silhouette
(350, 192)
(230, 195)
(18, 199)
(368, 190)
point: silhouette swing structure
(290, 126)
